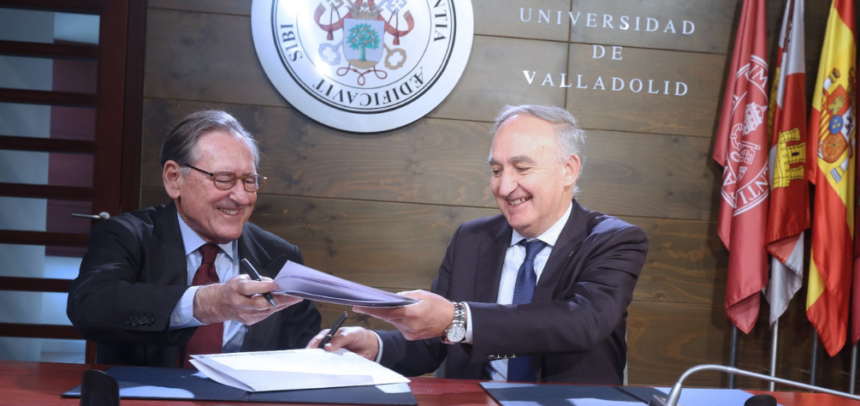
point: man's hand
(356, 339)
(239, 299)
(426, 319)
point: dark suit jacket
(574, 328)
(134, 273)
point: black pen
(256, 276)
(333, 330)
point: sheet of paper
(294, 369)
(298, 280)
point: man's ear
(572, 167)
(171, 175)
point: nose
(239, 195)
(507, 183)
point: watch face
(456, 333)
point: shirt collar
(192, 241)
(549, 236)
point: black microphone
(99, 389)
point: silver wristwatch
(456, 332)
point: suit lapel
(490, 259)
(568, 242)
(172, 250)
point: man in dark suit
(160, 284)
(539, 292)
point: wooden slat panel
(237, 7)
(70, 6)
(649, 176)
(133, 107)
(397, 246)
(665, 339)
(45, 97)
(43, 238)
(433, 161)
(39, 331)
(46, 144)
(686, 262)
(34, 284)
(193, 56)
(48, 50)
(496, 18)
(46, 191)
(494, 78)
(712, 24)
(692, 114)
(331, 312)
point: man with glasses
(161, 284)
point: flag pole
(814, 368)
(733, 357)
(774, 347)
(851, 386)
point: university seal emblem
(363, 65)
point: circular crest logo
(363, 65)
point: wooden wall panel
(503, 19)
(711, 24)
(695, 113)
(648, 176)
(494, 77)
(237, 7)
(395, 246)
(417, 163)
(205, 57)
(686, 262)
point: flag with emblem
(788, 217)
(741, 149)
(831, 148)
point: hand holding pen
(333, 330)
(252, 272)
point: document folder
(186, 384)
(529, 394)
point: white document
(301, 281)
(311, 368)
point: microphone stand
(675, 394)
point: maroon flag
(741, 149)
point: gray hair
(180, 145)
(570, 138)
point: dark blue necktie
(519, 368)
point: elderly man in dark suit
(538, 293)
(160, 284)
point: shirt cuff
(183, 313)
(468, 339)
(379, 340)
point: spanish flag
(832, 146)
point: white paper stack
(294, 369)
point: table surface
(41, 383)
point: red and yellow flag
(741, 149)
(789, 193)
(832, 146)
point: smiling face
(532, 185)
(216, 215)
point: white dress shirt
(514, 258)
(227, 267)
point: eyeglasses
(226, 180)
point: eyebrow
(514, 160)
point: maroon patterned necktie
(207, 339)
